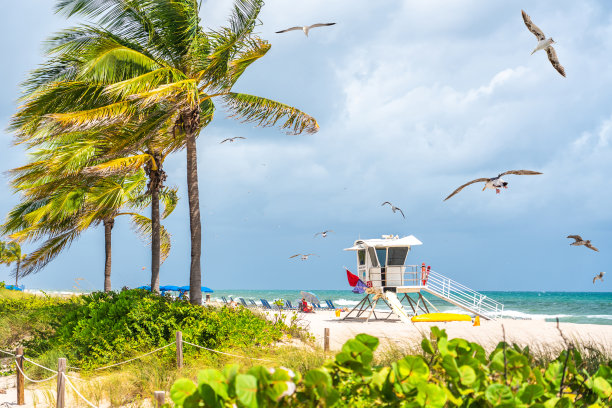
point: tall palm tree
(150, 65)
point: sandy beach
(538, 334)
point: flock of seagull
(494, 183)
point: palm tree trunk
(195, 272)
(155, 237)
(17, 272)
(108, 227)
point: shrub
(453, 373)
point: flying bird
(231, 139)
(394, 208)
(599, 276)
(495, 182)
(579, 241)
(303, 257)
(305, 29)
(543, 43)
(323, 234)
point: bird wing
(329, 231)
(386, 202)
(320, 25)
(576, 237)
(289, 29)
(532, 27)
(240, 137)
(293, 256)
(465, 185)
(520, 173)
(400, 210)
(595, 278)
(312, 254)
(552, 57)
(224, 140)
(317, 234)
(591, 247)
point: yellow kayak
(441, 317)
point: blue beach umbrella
(169, 287)
(204, 289)
(13, 287)
(145, 287)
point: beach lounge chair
(253, 304)
(244, 303)
(317, 306)
(289, 306)
(224, 299)
(265, 304)
(330, 305)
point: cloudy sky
(413, 99)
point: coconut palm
(12, 253)
(150, 66)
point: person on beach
(304, 306)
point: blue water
(574, 307)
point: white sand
(538, 334)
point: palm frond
(121, 165)
(169, 198)
(265, 112)
(145, 82)
(144, 229)
(48, 251)
(186, 90)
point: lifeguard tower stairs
(380, 263)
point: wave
(608, 317)
(534, 316)
(346, 302)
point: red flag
(352, 279)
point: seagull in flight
(599, 276)
(303, 257)
(305, 29)
(323, 234)
(579, 241)
(495, 182)
(394, 208)
(543, 43)
(231, 139)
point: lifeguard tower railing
(411, 276)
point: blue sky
(413, 98)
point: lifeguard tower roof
(388, 241)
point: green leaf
(370, 342)
(468, 375)
(427, 346)
(246, 390)
(431, 395)
(411, 371)
(181, 389)
(215, 380)
(554, 372)
(602, 387)
(498, 394)
(531, 392)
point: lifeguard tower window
(361, 257)
(373, 258)
(397, 256)
(382, 256)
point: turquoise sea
(574, 307)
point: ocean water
(574, 307)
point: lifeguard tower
(381, 264)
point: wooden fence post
(179, 349)
(20, 379)
(61, 383)
(326, 339)
(160, 398)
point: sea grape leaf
(431, 395)
(450, 365)
(468, 375)
(215, 380)
(498, 394)
(370, 342)
(554, 372)
(531, 392)
(411, 371)
(602, 387)
(246, 390)
(181, 389)
(427, 346)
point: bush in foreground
(453, 373)
(103, 328)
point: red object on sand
(352, 279)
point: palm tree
(76, 205)
(12, 253)
(151, 67)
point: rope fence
(63, 379)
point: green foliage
(103, 328)
(451, 373)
